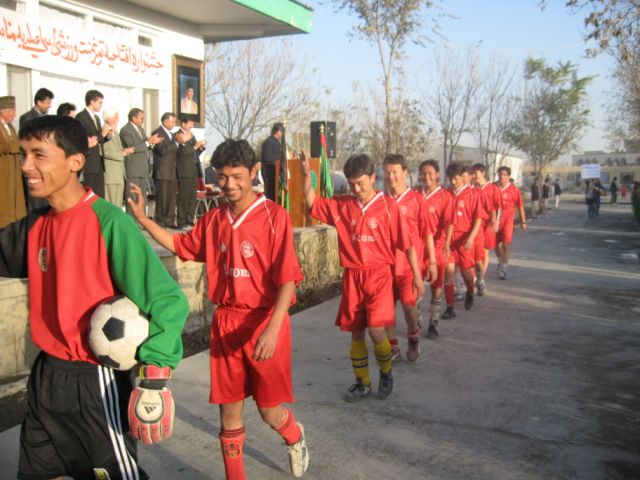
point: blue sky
(510, 30)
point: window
(145, 41)
(9, 4)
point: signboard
(42, 45)
(590, 170)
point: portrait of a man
(187, 89)
(188, 103)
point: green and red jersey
(80, 257)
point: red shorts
(367, 299)
(462, 257)
(478, 246)
(489, 238)
(403, 290)
(505, 232)
(234, 373)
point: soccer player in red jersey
(413, 210)
(370, 229)
(438, 202)
(511, 199)
(491, 203)
(252, 273)
(464, 224)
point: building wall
(571, 180)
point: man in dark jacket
(164, 170)
(188, 168)
(271, 152)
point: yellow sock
(360, 360)
(383, 355)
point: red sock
(288, 430)
(393, 341)
(231, 442)
(413, 333)
(448, 295)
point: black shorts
(76, 423)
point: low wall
(317, 252)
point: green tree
(390, 24)
(552, 114)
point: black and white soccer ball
(118, 327)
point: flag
(326, 185)
(283, 178)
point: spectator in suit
(164, 170)
(97, 135)
(114, 155)
(271, 152)
(67, 110)
(188, 169)
(210, 177)
(42, 104)
(136, 164)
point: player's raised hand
(151, 408)
(136, 202)
(266, 345)
(304, 163)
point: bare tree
(455, 83)
(253, 84)
(495, 107)
(390, 24)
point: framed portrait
(188, 89)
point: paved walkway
(541, 380)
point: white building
(125, 49)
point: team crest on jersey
(373, 223)
(223, 247)
(247, 249)
(403, 209)
(461, 203)
(101, 474)
(43, 259)
(432, 209)
(353, 223)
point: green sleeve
(139, 274)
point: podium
(297, 209)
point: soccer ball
(118, 327)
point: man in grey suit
(188, 168)
(164, 170)
(136, 164)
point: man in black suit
(164, 170)
(188, 169)
(98, 134)
(42, 104)
(271, 152)
(132, 135)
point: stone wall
(317, 252)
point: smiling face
(236, 183)
(429, 177)
(395, 176)
(478, 177)
(504, 178)
(362, 187)
(48, 171)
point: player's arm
(161, 235)
(430, 250)
(266, 344)
(447, 241)
(418, 283)
(523, 218)
(13, 251)
(477, 223)
(308, 191)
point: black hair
(166, 116)
(233, 153)
(358, 165)
(67, 132)
(92, 95)
(455, 168)
(134, 112)
(468, 168)
(505, 169)
(66, 108)
(430, 163)
(42, 94)
(480, 167)
(277, 127)
(186, 118)
(395, 159)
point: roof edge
(289, 12)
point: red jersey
(511, 198)
(413, 209)
(438, 204)
(490, 200)
(248, 257)
(368, 235)
(466, 209)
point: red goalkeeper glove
(151, 407)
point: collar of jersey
(503, 189)
(402, 195)
(364, 208)
(256, 203)
(434, 192)
(458, 192)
